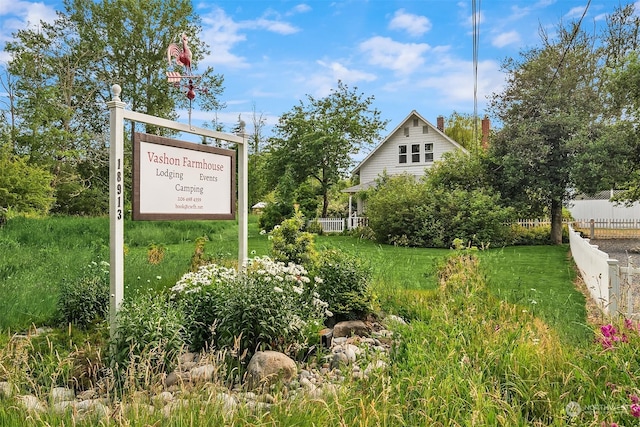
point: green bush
(86, 300)
(201, 296)
(149, 335)
(406, 211)
(270, 306)
(345, 285)
(314, 227)
(24, 187)
(538, 235)
(273, 214)
(290, 244)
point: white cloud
(222, 34)
(300, 8)
(454, 85)
(402, 58)
(504, 39)
(415, 25)
(575, 12)
(321, 82)
(274, 26)
(19, 15)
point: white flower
(328, 313)
(298, 290)
(318, 279)
(263, 232)
(277, 289)
(253, 252)
(158, 277)
(534, 301)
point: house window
(425, 129)
(402, 154)
(415, 123)
(415, 153)
(406, 131)
(428, 152)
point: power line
(475, 18)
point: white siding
(386, 157)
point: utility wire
(475, 18)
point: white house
(413, 147)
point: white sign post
(116, 190)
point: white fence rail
(597, 271)
(331, 225)
(609, 228)
(612, 287)
(337, 225)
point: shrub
(270, 306)
(273, 214)
(86, 300)
(408, 212)
(314, 227)
(345, 285)
(538, 235)
(149, 333)
(290, 244)
(201, 296)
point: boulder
(267, 367)
(351, 327)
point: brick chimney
(440, 123)
(486, 126)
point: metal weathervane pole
(183, 56)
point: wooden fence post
(592, 229)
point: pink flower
(634, 398)
(608, 330)
(635, 410)
(628, 323)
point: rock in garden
(267, 367)
(31, 403)
(5, 389)
(351, 327)
(62, 394)
(202, 373)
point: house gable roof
(402, 124)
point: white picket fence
(337, 225)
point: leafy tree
(24, 188)
(64, 71)
(462, 127)
(550, 96)
(317, 139)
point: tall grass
(466, 357)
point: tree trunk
(325, 202)
(556, 222)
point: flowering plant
(269, 305)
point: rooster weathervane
(183, 56)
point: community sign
(181, 180)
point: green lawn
(37, 255)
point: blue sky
(409, 54)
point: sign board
(181, 180)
